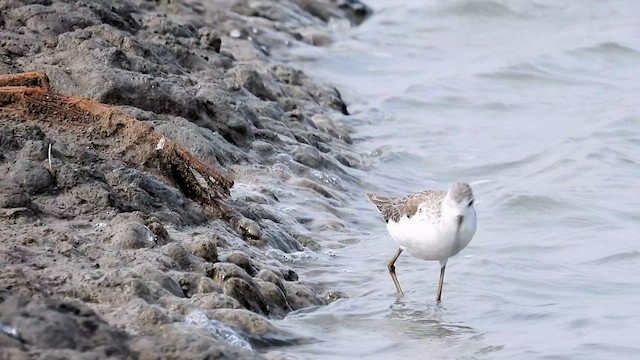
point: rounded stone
(207, 285)
(31, 176)
(205, 249)
(258, 329)
(215, 301)
(149, 273)
(329, 296)
(132, 235)
(247, 293)
(178, 254)
(188, 282)
(225, 271)
(249, 229)
(242, 260)
(275, 298)
(156, 227)
(210, 38)
(308, 155)
(270, 276)
(300, 296)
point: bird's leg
(392, 271)
(441, 282)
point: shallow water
(536, 104)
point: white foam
(215, 327)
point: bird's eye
(471, 202)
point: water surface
(536, 104)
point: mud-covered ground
(121, 234)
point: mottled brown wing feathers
(394, 208)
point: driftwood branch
(112, 133)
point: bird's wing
(394, 208)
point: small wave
(609, 48)
(475, 8)
(218, 329)
(537, 203)
(526, 73)
(626, 256)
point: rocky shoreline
(158, 170)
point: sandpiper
(430, 225)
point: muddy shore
(159, 169)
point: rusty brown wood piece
(27, 96)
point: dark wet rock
(206, 249)
(307, 241)
(249, 229)
(329, 296)
(131, 235)
(193, 284)
(70, 175)
(224, 271)
(262, 86)
(355, 9)
(178, 254)
(258, 330)
(142, 192)
(275, 298)
(185, 342)
(30, 176)
(255, 212)
(35, 150)
(332, 127)
(272, 277)
(242, 260)
(207, 285)
(247, 293)
(95, 194)
(308, 155)
(215, 301)
(13, 196)
(148, 273)
(207, 142)
(301, 296)
(148, 316)
(210, 38)
(48, 324)
(158, 230)
(280, 239)
(289, 275)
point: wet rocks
(13, 196)
(242, 260)
(128, 207)
(275, 298)
(216, 301)
(178, 254)
(270, 276)
(257, 329)
(210, 38)
(263, 87)
(247, 293)
(42, 324)
(301, 296)
(30, 176)
(205, 249)
(132, 235)
(225, 271)
(152, 274)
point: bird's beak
(460, 218)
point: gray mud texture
(147, 180)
